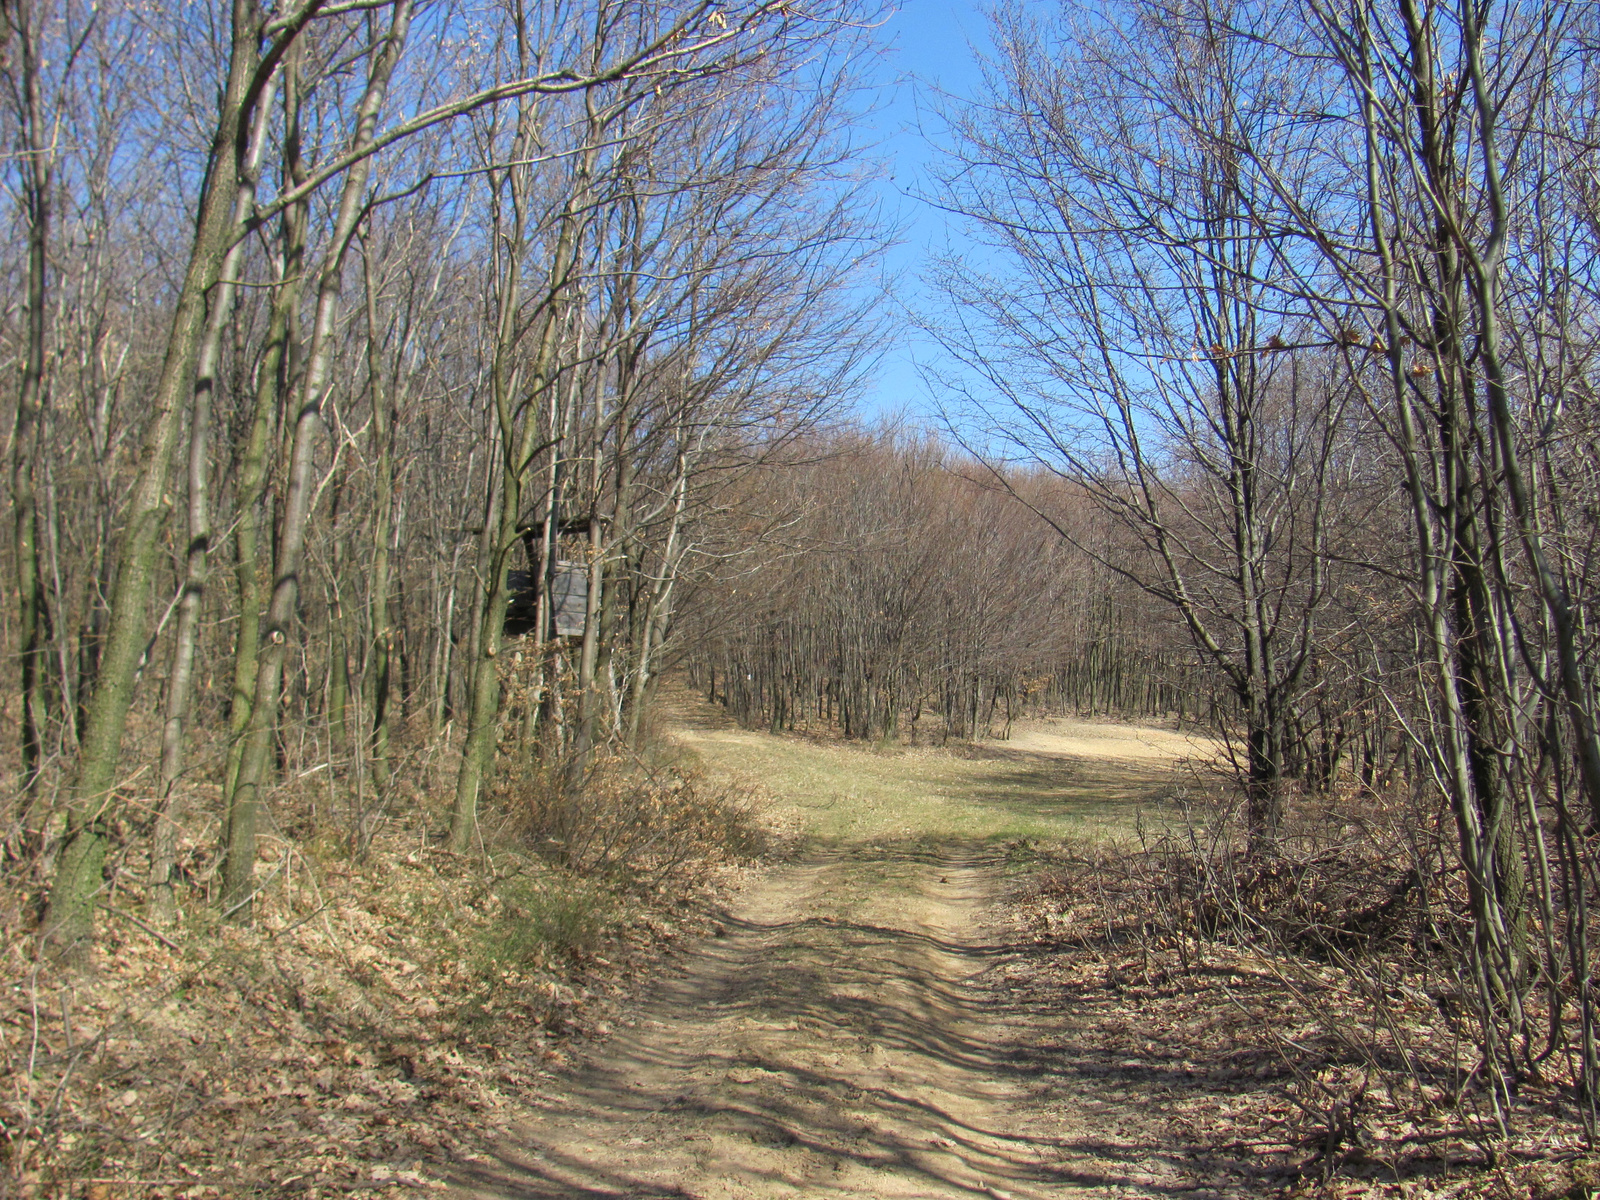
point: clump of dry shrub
(1315, 998)
(631, 822)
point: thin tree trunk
(68, 923)
(1574, 689)
(382, 631)
(274, 380)
(657, 608)
(341, 747)
(517, 449)
(483, 686)
(32, 631)
(499, 527)
(243, 813)
(180, 682)
(589, 654)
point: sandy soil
(1104, 740)
(850, 1032)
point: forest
(398, 394)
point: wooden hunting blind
(569, 600)
(569, 594)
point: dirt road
(849, 1032)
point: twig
(264, 883)
(133, 920)
(309, 916)
(126, 1182)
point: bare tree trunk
(444, 593)
(518, 430)
(68, 923)
(483, 683)
(240, 845)
(37, 172)
(180, 682)
(1486, 269)
(589, 654)
(382, 631)
(274, 379)
(657, 607)
(499, 520)
(1448, 515)
(342, 752)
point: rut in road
(845, 1035)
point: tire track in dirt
(847, 1034)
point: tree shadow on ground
(828, 1055)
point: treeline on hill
(341, 332)
(902, 587)
(899, 593)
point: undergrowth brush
(391, 1007)
(630, 822)
(1313, 1002)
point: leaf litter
(1259, 1064)
(368, 1030)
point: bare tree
(21, 38)
(1448, 118)
(1132, 337)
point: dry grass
(392, 1011)
(845, 792)
(1295, 1023)
(631, 823)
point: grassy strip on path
(853, 793)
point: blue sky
(928, 45)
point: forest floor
(939, 994)
(946, 982)
(862, 1021)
